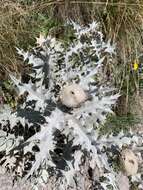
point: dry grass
(14, 32)
(19, 25)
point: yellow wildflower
(136, 64)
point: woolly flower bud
(129, 161)
(73, 96)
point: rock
(123, 182)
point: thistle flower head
(73, 95)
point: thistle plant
(50, 144)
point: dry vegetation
(121, 21)
(14, 31)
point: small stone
(123, 182)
